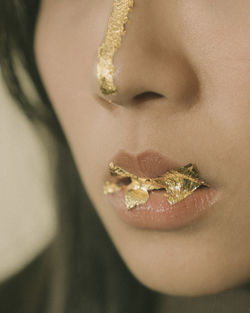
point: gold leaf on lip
(178, 184)
(135, 197)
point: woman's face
(196, 55)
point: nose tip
(175, 82)
(149, 67)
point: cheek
(66, 47)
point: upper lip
(149, 163)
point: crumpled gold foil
(112, 42)
(178, 184)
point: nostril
(146, 96)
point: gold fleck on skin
(112, 42)
(178, 184)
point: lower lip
(158, 213)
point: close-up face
(182, 74)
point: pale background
(27, 203)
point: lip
(157, 213)
(149, 163)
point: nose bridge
(150, 58)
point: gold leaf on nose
(112, 42)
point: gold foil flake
(178, 184)
(112, 42)
(135, 197)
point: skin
(191, 53)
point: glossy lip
(158, 214)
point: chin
(188, 283)
(186, 289)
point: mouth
(176, 184)
(125, 181)
(150, 190)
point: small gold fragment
(178, 184)
(112, 42)
(135, 197)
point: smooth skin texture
(196, 54)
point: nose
(151, 63)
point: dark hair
(81, 271)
